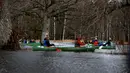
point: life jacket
(80, 43)
(96, 43)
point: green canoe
(43, 49)
(68, 49)
(77, 49)
(33, 44)
(90, 45)
(105, 47)
(89, 48)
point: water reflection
(63, 62)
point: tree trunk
(81, 25)
(45, 30)
(5, 23)
(80, 30)
(54, 28)
(128, 33)
(13, 42)
(109, 26)
(107, 22)
(64, 28)
(75, 35)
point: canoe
(77, 49)
(43, 49)
(67, 49)
(105, 47)
(96, 47)
(33, 44)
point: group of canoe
(74, 49)
(80, 46)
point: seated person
(108, 42)
(95, 42)
(46, 42)
(32, 41)
(25, 41)
(100, 43)
(79, 43)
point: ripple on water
(63, 62)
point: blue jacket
(46, 42)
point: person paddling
(46, 42)
(95, 42)
(79, 43)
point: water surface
(62, 62)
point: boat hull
(67, 49)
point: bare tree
(54, 28)
(5, 23)
(48, 9)
(14, 18)
(64, 27)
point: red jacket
(80, 43)
(96, 43)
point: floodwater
(62, 62)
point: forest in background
(63, 19)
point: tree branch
(52, 2)
(112, 9)
(63, 8)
